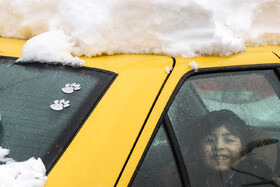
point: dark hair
(215, 119)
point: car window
(43, 106)
(159, 166)
(228, 128)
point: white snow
(53, 46)
(30, 173)
(194, 66)
(168, 69)
(255, 21)
(171, 27)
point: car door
(171, 147)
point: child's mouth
(221, 157)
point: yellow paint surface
(99, 151)
(11, 47)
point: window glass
(227, 125)
(33, 124)
(159, 166)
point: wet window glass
(228, 128)
(42, 106)
(159, 166)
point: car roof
(117, 63)
(251, 56)
(117, 120)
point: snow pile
(30, 173)
(172, 27)
(255, 21)
(53, 46)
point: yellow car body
(109, 146)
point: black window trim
(201, 71)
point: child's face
(220, 148)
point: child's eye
(229, 140)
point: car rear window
(42, 106)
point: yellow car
(145, 120)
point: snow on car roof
(174, 28)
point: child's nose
(220, 144)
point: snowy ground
(171, 27)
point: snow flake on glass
(70, 88)
(59, 105)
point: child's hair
(215, 119)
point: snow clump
(194, 66)
(30, 173)
(53, 46)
